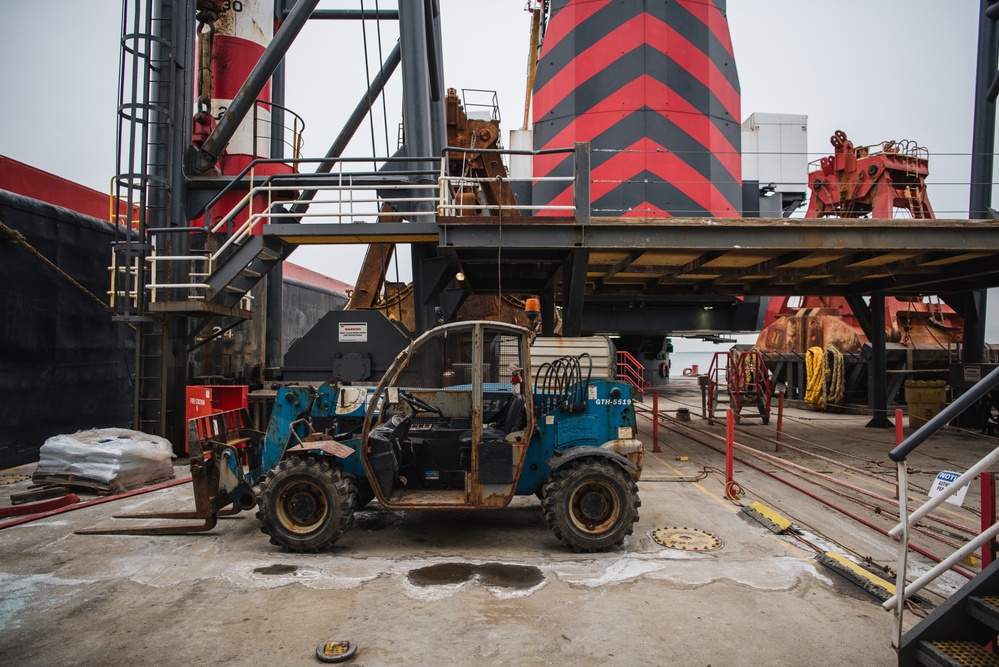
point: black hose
(560, 384)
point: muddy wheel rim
(301, 506)
(595, 507)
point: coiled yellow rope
(825, 378)
(835, 376)
(815, 381)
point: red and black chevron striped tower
(652, 85)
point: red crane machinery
(856, 182)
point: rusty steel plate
(687, 539)
(324, 443)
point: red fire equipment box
(208, 399)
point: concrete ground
(496, 588)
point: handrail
(259, 205)
(580, 180)
(747, 371)
(906, 520)
(296, 131)
(631, 370)
(251, 222)
(503, 151)
(238, 178)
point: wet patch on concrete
(498, 575)
(442, 574)
(276, 569)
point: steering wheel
(420, 405)
(400, 429)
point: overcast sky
(876, 69)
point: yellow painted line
(872, 480)
(731, 507)
(721, 501)
(794, 549)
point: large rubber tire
(305, 504)
(591, 505)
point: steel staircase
(963, 630)
(749, 386)
(246, 266)
(957, 632)
(718, 382)
(740, 380)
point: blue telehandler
(454, 423)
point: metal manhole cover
(688, 539)
(13, 479)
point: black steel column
(982, 152)
(573, 291)
(418, 123)
(425, 298)
(878, 366)
(416, 102)
(974, 314)
(984, 130)
(547, 298)
(274, 313)
(175, 349)
(168, 199)
(574, 268)
(863, 314)
(435, 56)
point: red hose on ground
(39, 507)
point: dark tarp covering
(64, 364)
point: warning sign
(353, 332)
(945, 479)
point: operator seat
(511, 417)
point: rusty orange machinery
(826, 322)
(373, 292)
(922, 338)
(851, 183)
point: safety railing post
(899, 437)
(581, 187)
(729, 448)
(655, 422)
(780, 419)
(988, 515)
(903, 552)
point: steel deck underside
(703, 256)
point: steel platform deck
(649, 258)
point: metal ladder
(145, 69)
(718, 383)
